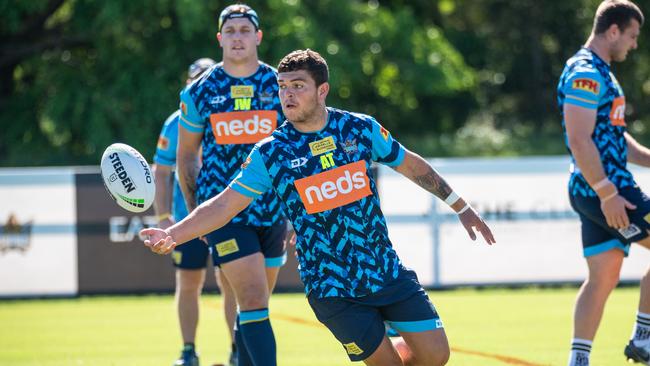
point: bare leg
(188, 289)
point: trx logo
(163, 143)
(588, 85)
(617, 114)
(384, 133)
(334, 188)
(246, 127)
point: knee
(438, 355)
(253, 297)
(605, 281)
(189, 284)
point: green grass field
(485, 327)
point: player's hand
(472, 221)
(158, 240)
(615, 213)
(165, 223)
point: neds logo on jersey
(244, 127)
(334, 188)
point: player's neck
(241, 69)
(314, 124)
(599, 47)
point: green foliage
(121, 78)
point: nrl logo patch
(14, 235)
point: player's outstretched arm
(207, 217)
(162, 204)
(637, 153)
(415, 168)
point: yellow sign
(177, 257)
(241, 91)
(227, 247)
(353, 349)
(322, 146)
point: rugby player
(613, 210)
(228, 109)
(317, 163)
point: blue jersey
(328, 192)
(166, 155)
(588, 82)
(232, 114)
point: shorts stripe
(276, 261)
(605, 246)
(416, 326)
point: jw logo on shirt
(242, 95)
(334, 188)
(617, 113)
(244, 127)
(588, 85)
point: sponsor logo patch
(297, 163)
(183, 108)
(334, 188)
(241, 91)
(244, 127)
(629, 231)
(617, 113)
(218, 99)
(163, 143)
(227, 247)
(177, 257)
(352, 349)
(322, 146)
(647, 218)
(246, 162)
(588, 85)
(384, 132)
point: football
(127, 177)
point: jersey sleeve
(167, 141)
(385, 149)
(584, 87)
(253, 178)
(191, 120)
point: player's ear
(259, 36)
(613, 32)
(219, 39)
(323, 90)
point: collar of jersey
(327, 124)
(259, 67)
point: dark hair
(619, 12)
(308, 60)
(239, 11)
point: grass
(484, 328)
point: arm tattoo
(434, 183)
(190, 174)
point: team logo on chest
(334, 188)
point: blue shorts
(191, 255)
(235, 241)
(598, 237)
(358, 323)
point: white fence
(524, 201)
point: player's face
(626, 41)
(239, 39)
(300, 98)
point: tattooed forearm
(434, 183)
(188, 173)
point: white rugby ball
(127, 177)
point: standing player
(612, 208)
(223, 113)
(318, 163)
(190, 260)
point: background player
(227, 110)
(612, 208)
(190, 260)
(318, 164)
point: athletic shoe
(637, 354)
(188, 358)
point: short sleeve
(190, 118)
(253, 178)
(385, 149)
(167, 142)
(583, 87)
